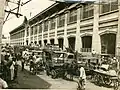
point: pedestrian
(7, 64)
(82, 77)
(25, 55)
(93, 53)
(3, 84)
(12, 68)
(22, 62)
(31, 62)
(15, 68)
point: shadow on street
(26, 80)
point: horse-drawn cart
(55, 60)
(105, 77)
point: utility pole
(2, 15)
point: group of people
(29, 59)
(9, 66)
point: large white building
(82, 27)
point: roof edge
(51, 6)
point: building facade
(5, 40)
(81, 27)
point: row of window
(18, 35)
(87, 10)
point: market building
(82, 27)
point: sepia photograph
(60, 44)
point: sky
(30, 9)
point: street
(26, 80)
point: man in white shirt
(25, 55)
(82, 77)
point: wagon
(103, 76)
(54, 63)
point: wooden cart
(101, 77)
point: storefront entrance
(40, 42)
(45, 42)
(108, 43)
(52, 41)
(60, 42)
(26, 42)
(86, 43)
(71, 42)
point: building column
(48, 39)
(65, 32)
(33, 35)
(25, 34)
(96, 43)
(78, 38)
(42, 41)
(29, 39)
(56, 40)
(37, 33)
(118, 32)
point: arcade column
(78, 38)
(65, 31)
(56, 40)
(96, 44)
(48, 39)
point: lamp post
(2, 15)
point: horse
(71, 69)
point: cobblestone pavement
(59, 83)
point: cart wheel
(54, 74)
(100, 80)
(95, 79)
(116, 84)
(107, 81)
(47, 72)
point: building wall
(75, 21)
